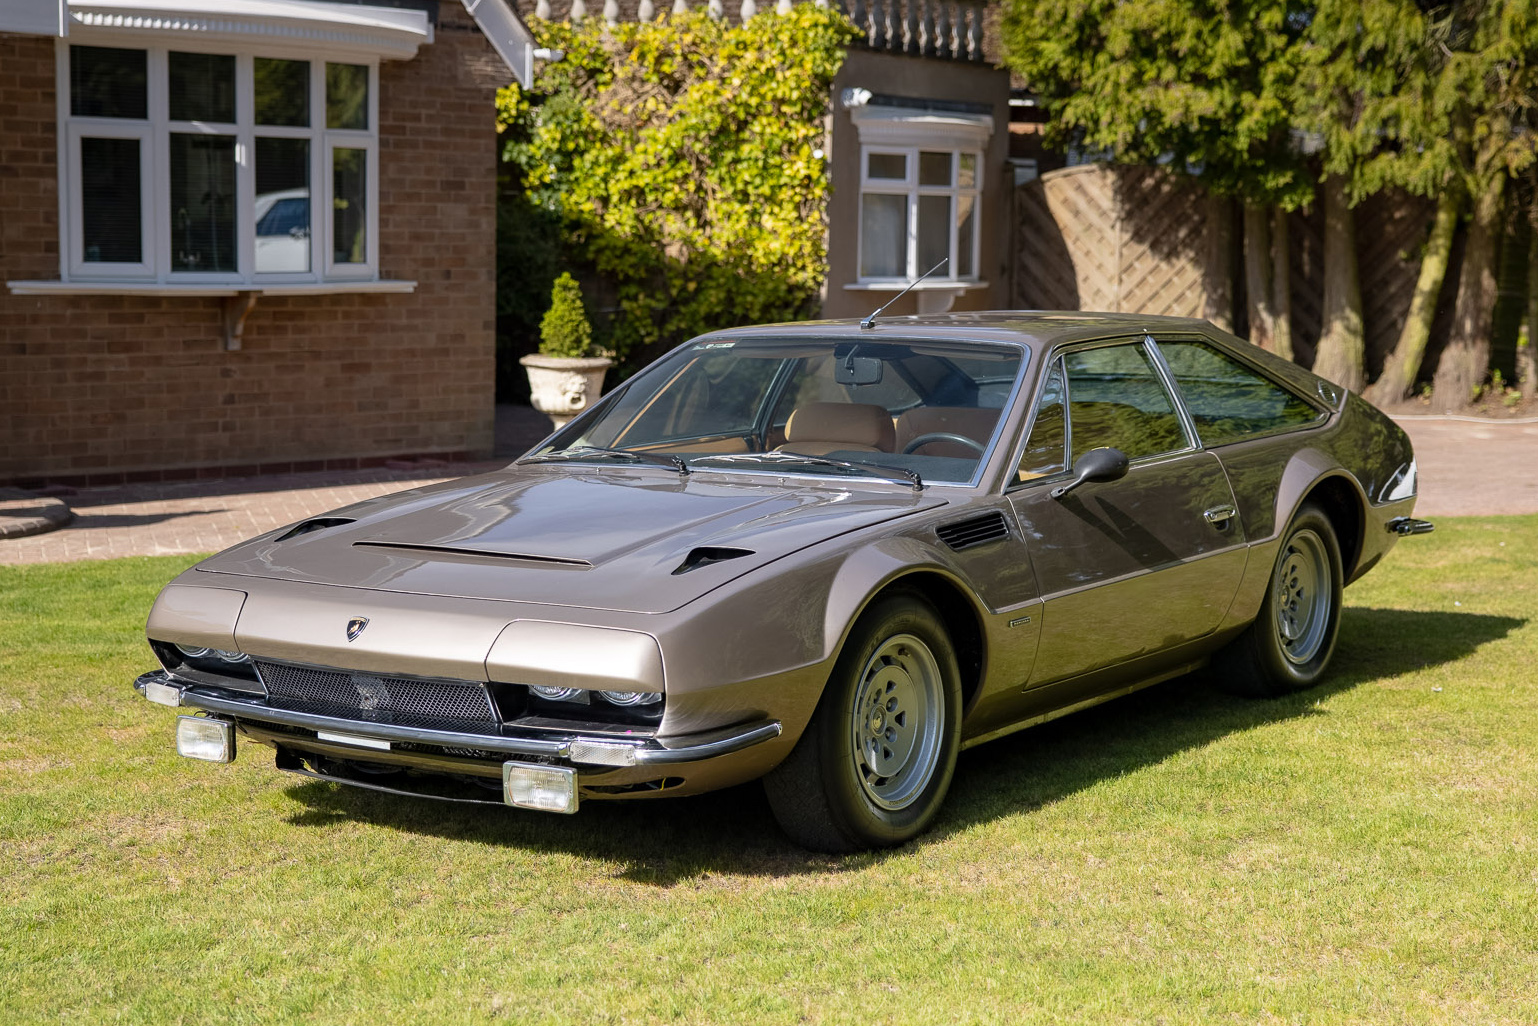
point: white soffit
(508, 35)
(386, 32)
(33, 17)
(913, 126)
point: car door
(1128, 568)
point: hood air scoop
(708, 554)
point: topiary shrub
(565, 331)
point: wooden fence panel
(1133, 239)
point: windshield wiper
(589, 452)
(898, 474)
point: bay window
(182, 165)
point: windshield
(909, 411)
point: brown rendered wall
(929, 79)
(102, 388)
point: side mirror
(1103, 464)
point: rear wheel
(1289, 645)
(873, 766)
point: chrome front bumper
(577, 748)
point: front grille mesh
(376, 697)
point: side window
(1049, 437)
(1116, 398)
(1229, 401)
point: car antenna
(870, 322)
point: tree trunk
(1527, 362)
(1257, 275)
(1281, 285)
(1466, 360)
(1341, 347)
(1217, 264)
(1404, 362)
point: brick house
(175, 304)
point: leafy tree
(683, 156)
(1205, 84)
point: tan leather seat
(817, 429)
(967, 421)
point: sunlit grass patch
(1362, 852)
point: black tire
(1289, 645)
(899, 667)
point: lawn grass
(1364, 852)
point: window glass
(346, 96)
(1227, 400)
(964, 230)
(106, 82)
(1048, 442)
(968, 176)
(202, 202)
(110, 208)
(349, 181)
(282, 91)
(883, 236)
(202, 87)
(1116, 398)
(934, 232)
(717, 395)
(928, 407)
(887, 166)
(934, 168)
(282, 205)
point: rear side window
(1227, 400)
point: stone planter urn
(563, 386)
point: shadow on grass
(665, 841)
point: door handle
(1219, 516)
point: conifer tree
(1208, 86)
(565, 330)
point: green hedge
(683, 159)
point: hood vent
(708, 554)
(964, 534)
(318, 524)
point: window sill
(934, 297)
(223, 289)
(922, 286)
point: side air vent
(318, 524)
(964, 534)
(706, 555)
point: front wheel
(873, 766)
(1289, 645)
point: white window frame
(156, 131)
(910, 130)
(909, 186)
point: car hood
(604, 538)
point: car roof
(1041, 328)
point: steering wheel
(943, 436)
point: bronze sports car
(827, 555)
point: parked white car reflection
(283, 231)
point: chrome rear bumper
(581, 749)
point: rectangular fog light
(531, 785)
(198, 737)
